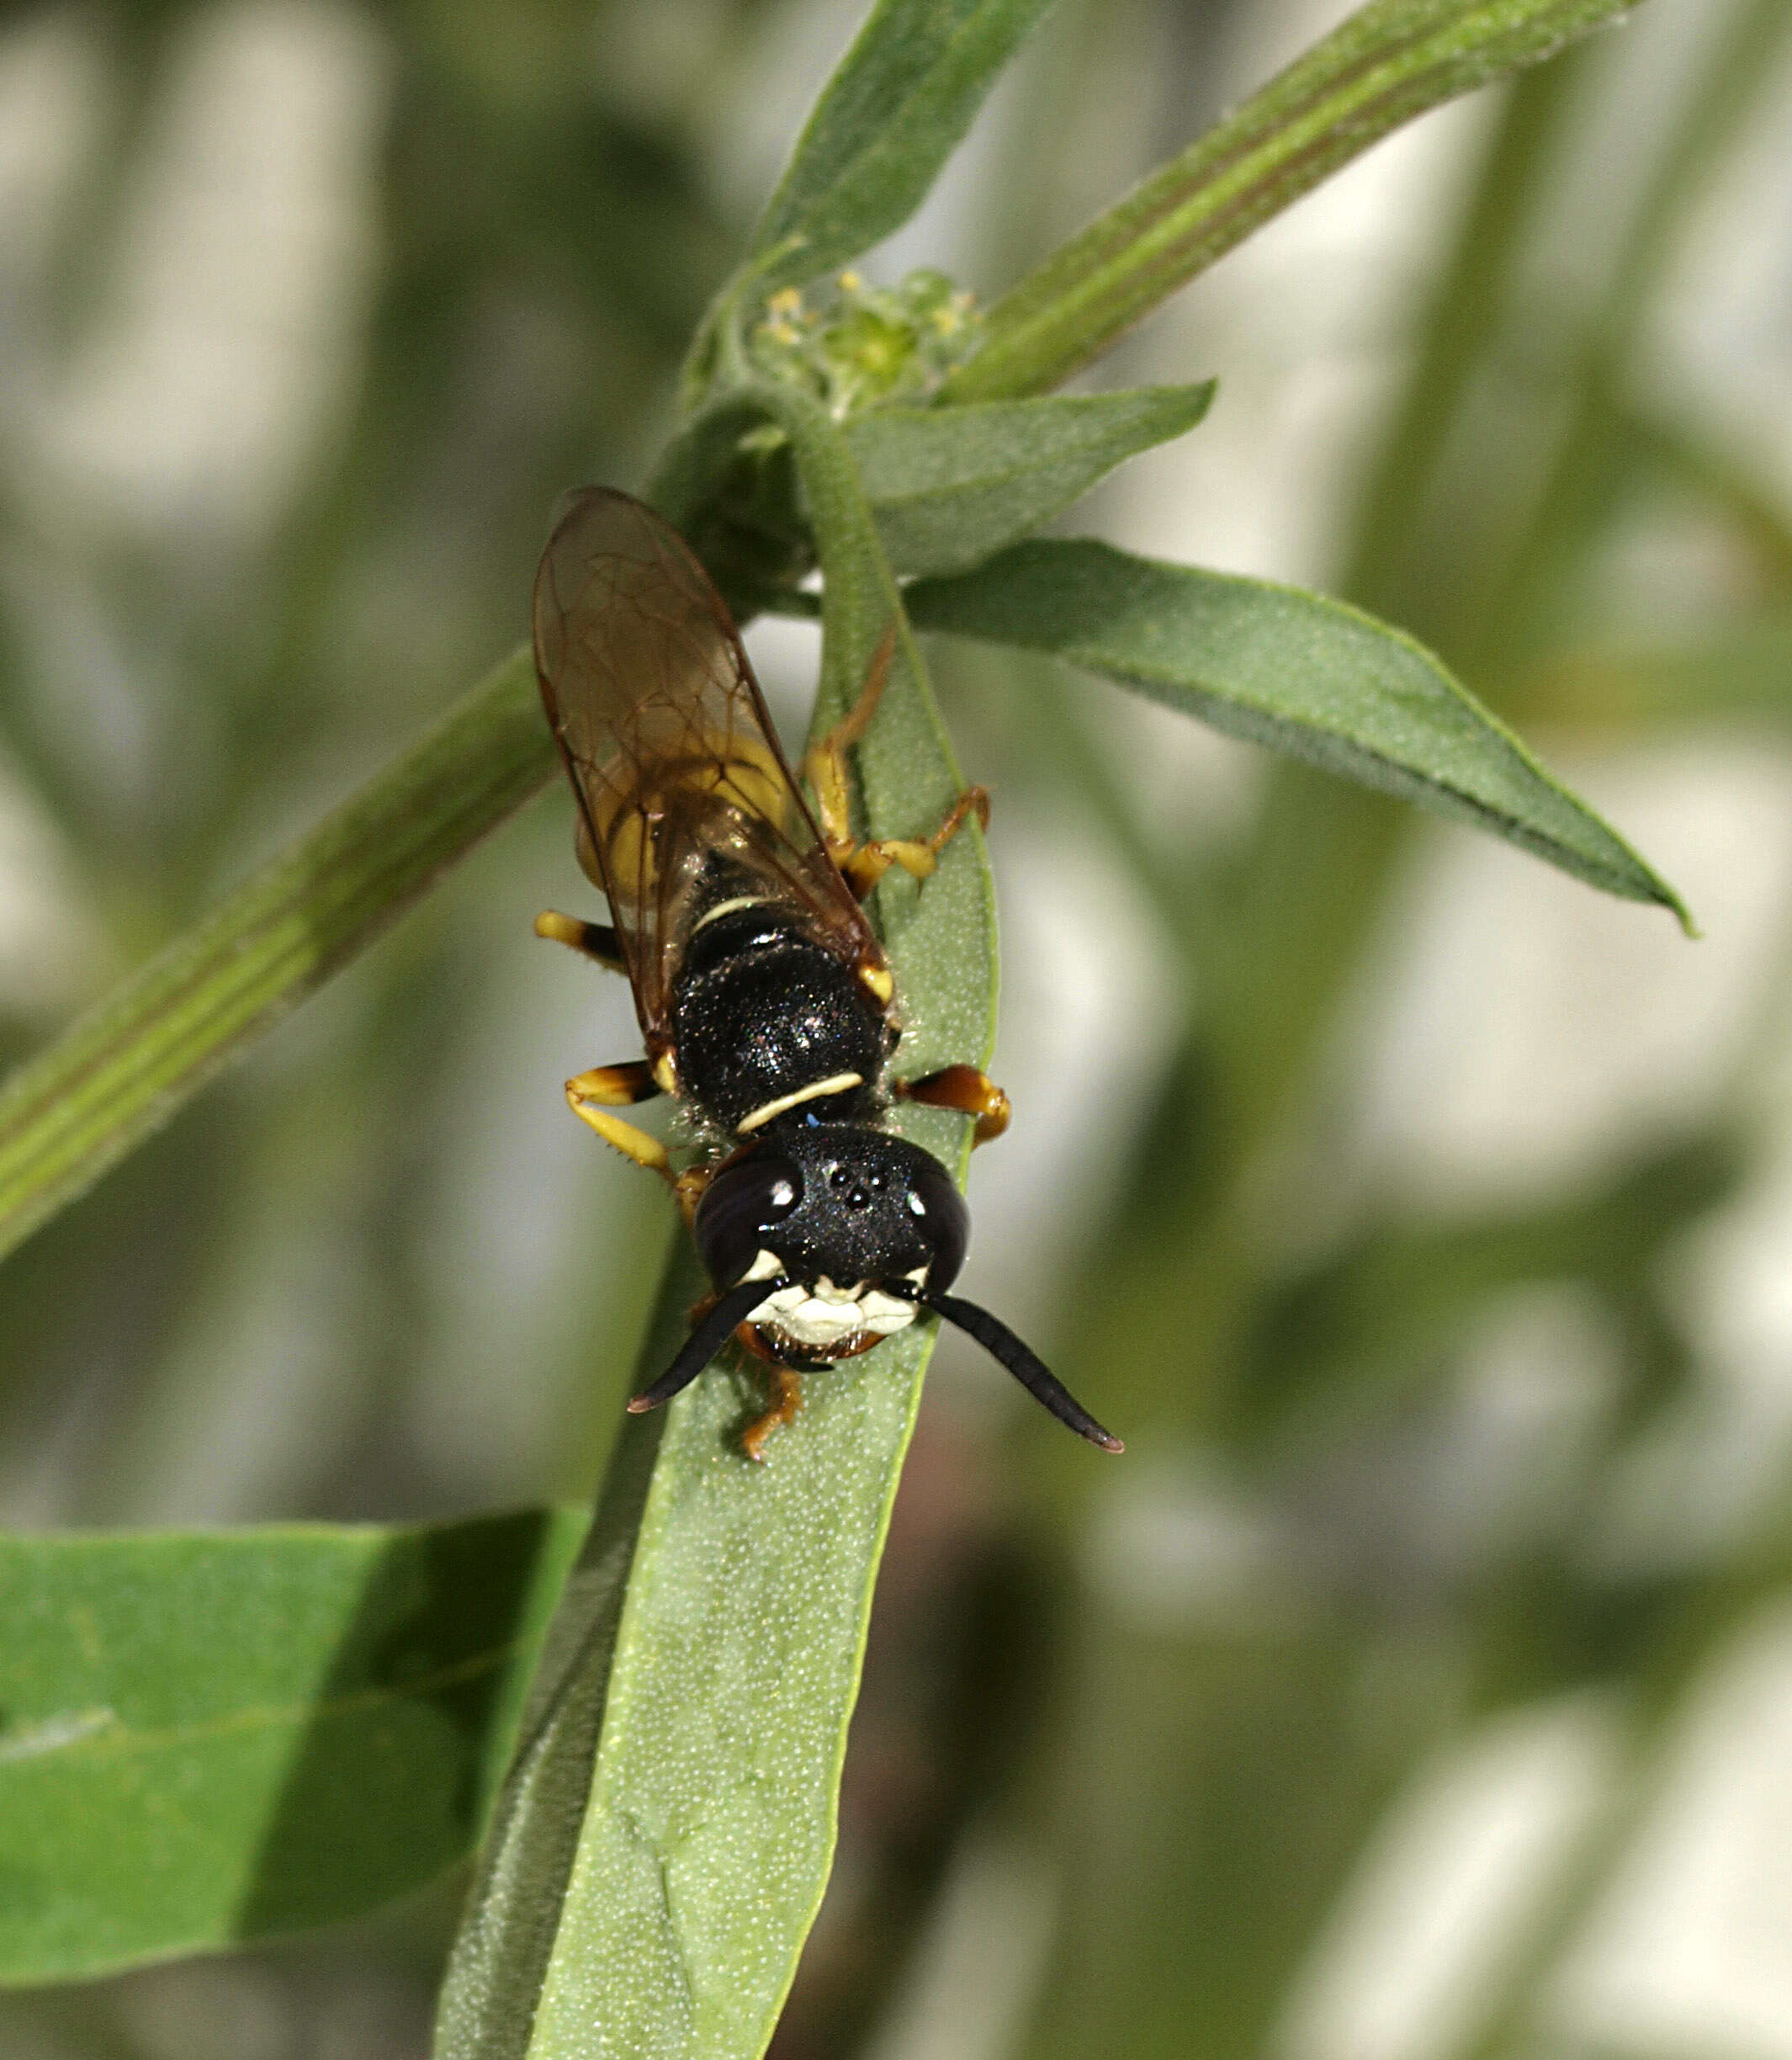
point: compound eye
(740, 1208)
(942, 1220)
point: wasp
(767, 1002)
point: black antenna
(1027, 1365)
(708, 1337)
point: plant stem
(126, 1065)
(1387, 63)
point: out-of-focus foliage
(277, 1726)
(1444, 1519)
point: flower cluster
(861, 346)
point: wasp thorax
(836, 1202)
(766, 1019)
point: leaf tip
(1654, 890)
(1659, 893)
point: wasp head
(838, 1202)
(826, 1236)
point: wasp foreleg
(963, 1088)
(592, 1095)
(592, 940)
(787, 1390)
(689, 1187)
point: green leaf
(950, 487)
(663, 1840)
(129, 1064)
(1303, 674)
(214, 1737)
(890, 115)
(1387, 63)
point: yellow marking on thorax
(836, 1083)
(726, 908)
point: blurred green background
(1420, 1685)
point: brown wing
(685, 798)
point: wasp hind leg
(824, 767)
(963, 1088)
(594, 941)
(866, 865)
(592, 1096)
(825, 764)
(787, 1399)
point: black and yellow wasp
(767, 1003)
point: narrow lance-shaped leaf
(664, 1844)
(493, 1978)
(124, 1067)
(1303, 674)
(1387, 63)
(890, 115)
(214, 1737)
(952, 486)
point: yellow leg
(963, 1088)
(591, 940)
(689, 1189)
(786, 1393)
(866, 865)
(592, 1095)
(824, 767)
(616, 1087)
(825, 764)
